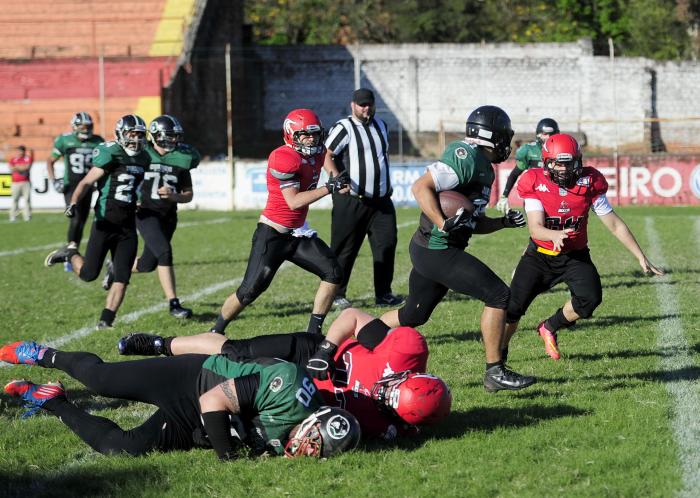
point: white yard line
(677, 358)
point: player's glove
(514, 219)
(502, 204)
(336, 183)
(460, 219)
(58, 185)
(320, 365)
(70, 211)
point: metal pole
(229, 112)
(357, 65)
(101, 79)
(611, 47)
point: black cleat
(103, 325)
(108, 280)
(389, 299)
(62, 255)
(499, 378)
(178, 311)
(141, 344)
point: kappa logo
(276, 384)
(542, 187)
(461, 152)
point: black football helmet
(489, 126)
(546, 126)
(82, 125)
(166, 132)
(325, 433)
(131, 133)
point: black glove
(339, 182)
(513, 219)
(70, 211)
(58, 185)
(459, 220)
(320, 366)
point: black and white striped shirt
(364, 152)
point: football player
(374, 372)
(196, 396)
(118, 168)
(437, 248)
(527, 156)
(76, 149)
(293, 170)
(558, 199)
(167, 183)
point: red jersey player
(558, 199)
(374, 372)
(293, 170)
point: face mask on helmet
(415, 398)
(562, 159)
(489, 126)
(131, 134)
(303, 132)
(82, 125)
(166, 132)
(325, 433)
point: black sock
(557, 321)
(167, 341)
(504, 355)
(220, 324)
(174, 303)
(316, 324)
(489, 365)
(108, 316)
(47, 360)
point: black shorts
(157, 232)
(537, 272)
(437, 271)
(297, 347)
(270, 249)
(121, 242)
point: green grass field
(615, 417)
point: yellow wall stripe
(169, 37)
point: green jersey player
(437, 248)
(118, 169)
(527, 156)
(76, 149)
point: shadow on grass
(137, 480)
(212, 261)
(451, 337)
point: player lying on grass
(200, 399)
(361, 365)
(558, 199)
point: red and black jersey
(287, 168)
(358, 368)
(565, 207)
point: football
(451, 201)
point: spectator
(21, 187)
(359, 145)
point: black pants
(157, 232)
(352, 218)
(435, 272)
(121, 241)
(76, 224)
(537, 272)
(168, 383)
(294, 348)
(270, 249)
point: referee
(359, 144)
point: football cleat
(34, 395)
(62, 255)
(22, 352)
(141, 344)
(178, 311)
(389, 299)
(108, 279)
(550, 341)
(103, 325)
(341, 303)
(499, 378)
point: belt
(548, 252)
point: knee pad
(334, 275)
(249, 292)
(413, 316)
(166, 258)
(584, 306)
(498, 297)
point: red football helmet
(303, 122)
(563, 150)
(416, 398)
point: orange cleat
(550, 341)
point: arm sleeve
(444, 177)
(601, 205)
(512, 178)
(218, 428)
(372, 334)
(185, 181)
(246, 389)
